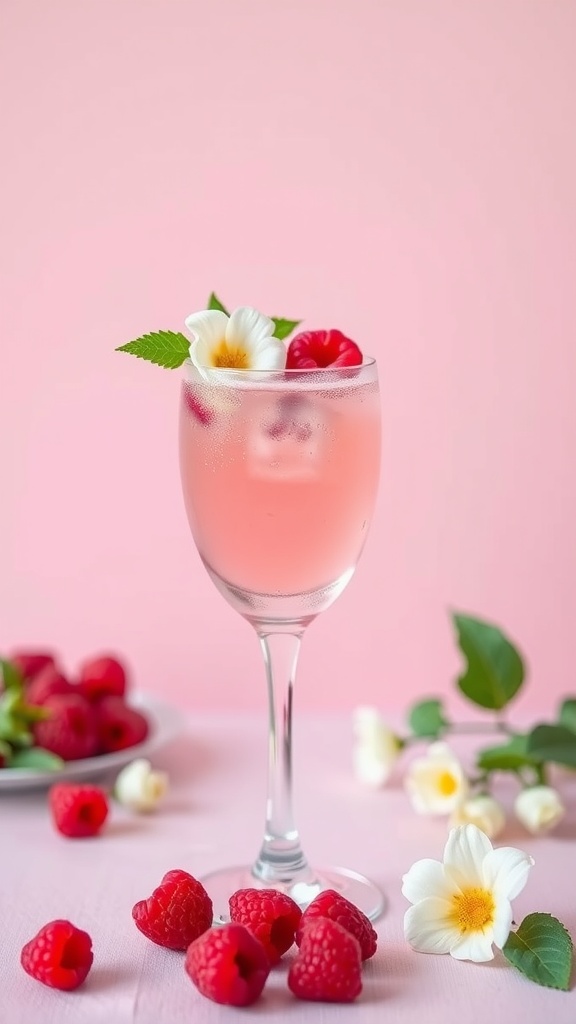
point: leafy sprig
(17, 720)
(170, 349)
(493, 675)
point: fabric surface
(213, 817)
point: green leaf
(542, 949)
(165, 348)
(427, 718)
(282, 328)
(11, 676)
(508, 757)
(553, 743)
(567, 714)
(37, 758)
(494, 670)
(214, 303)
(5, 751)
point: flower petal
(502, 922)
(476, 946)
(208, 329)
(464, 854)
(426, 927)
(247, 326)
(209, 325)
(505, 871)
(272, 357)
(426, 878)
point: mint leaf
(282, 328)
(553, 743)
(214, 303)
(165, 348)
(37, 758)
(567, 714)
(427, 718)
(508, 757)
(11, 676)
(494, 670)
(542, 949)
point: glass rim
(233, 371)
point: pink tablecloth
(213, 817)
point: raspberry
(228, 965)
(310, 350)
(60, 955)
(270, 915)
(332, 905)
(177, 912)
(48, 682)
(328, 967)
(201, 412)
(70, 731)
(102, 677)
(77, 811)
(119, 726)
(29, 663)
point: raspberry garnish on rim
(311, 350)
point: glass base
(363, 893)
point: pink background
(404, 170)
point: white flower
(436, 782)
(539, 808)
(376, 749)
(139, 787)
(242, 341)
(483, 811)
(462, 906)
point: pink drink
(279, 473)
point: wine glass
(279, 475)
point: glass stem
(281, 860)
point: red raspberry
(29, 663)
(334, 906)
(77, 811)
(328, 967)
(270, 915)
(201, 412)
(119, 726)
(228, 965)
(48, 682)
(310, 350)
(60, 955)
(70, 732)
(177, 912)
(102, 677)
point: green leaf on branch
(542, 949)
(214, 303)
(11, 676)
(282, 328)
(567, 714)
(494, 668)
(508, 757)
(554, 743)
(427, 718)
(165, 348)
(36, 758)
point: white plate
(165, 723)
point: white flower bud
(483, 811)
(539, 808)
(139, 787)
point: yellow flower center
(473, 909)
(447, 783)
(231, 357)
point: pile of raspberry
(84, 717)
(229, 963)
